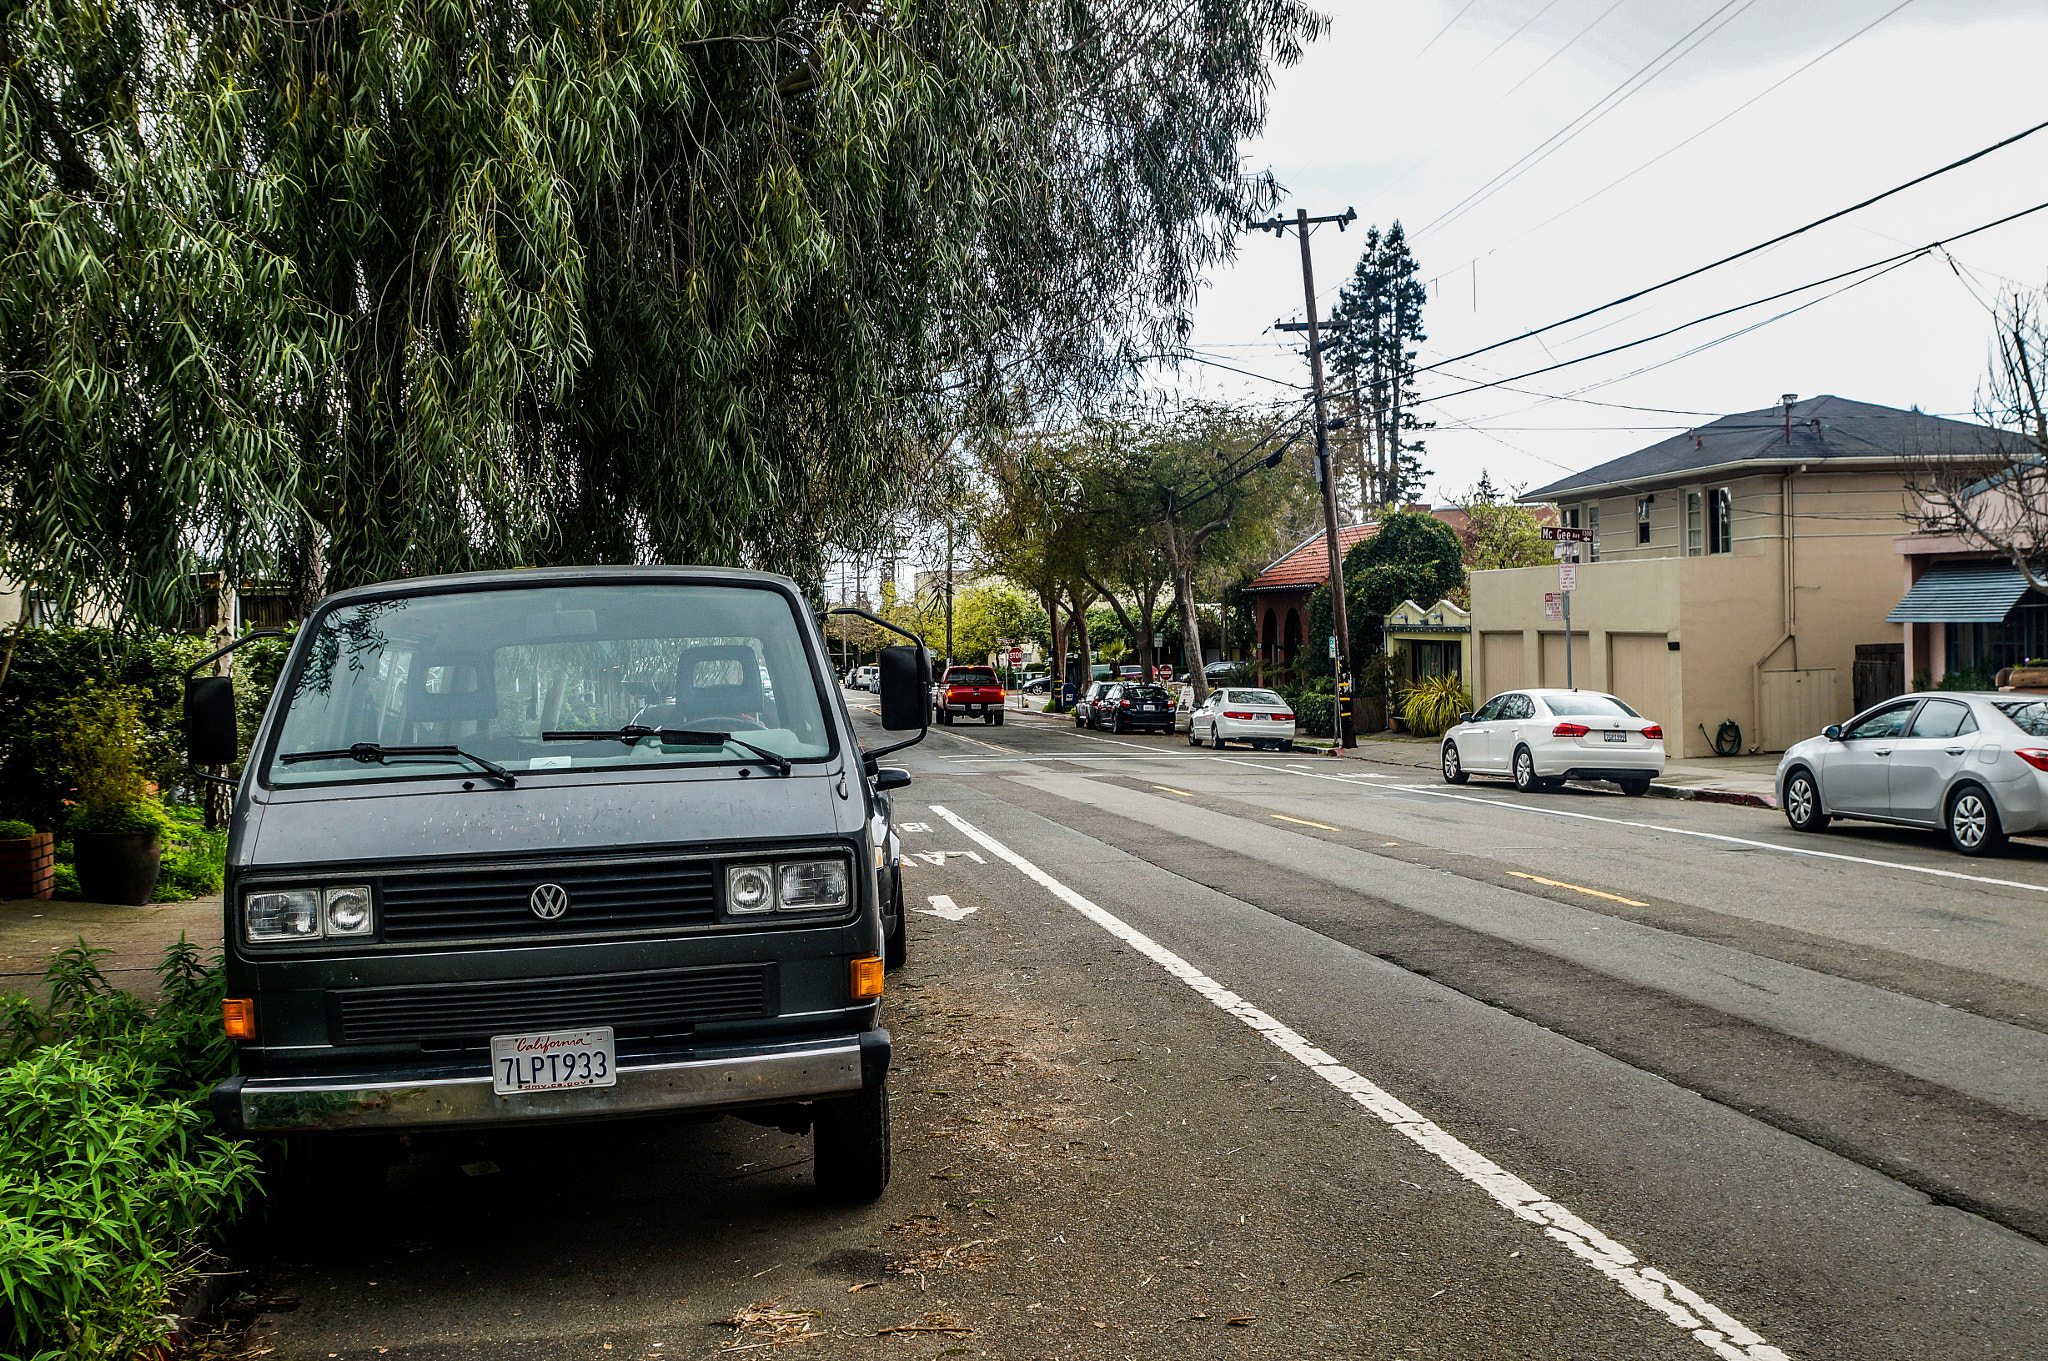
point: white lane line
(1679, 1305)
(1732, 840)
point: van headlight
(286, 914)
(749, 889)
(811, 886)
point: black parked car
(1084, 707)
(1130, 705)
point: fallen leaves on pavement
(766, 1324)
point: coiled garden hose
(1727, 739)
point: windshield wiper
(376, 754)
(672, 737)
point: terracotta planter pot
(118, 867)
(28, 866)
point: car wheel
(1635, 789)
(850, 1145)
(1973, 826)
(1526, 778)
(1193, 740)
(999, 717)
(1802, 803)
(896, 938)
(1077, 718)
(1215, 739)
(1116, 724)
(988, 718)
(1288, 745)
(1454, 769)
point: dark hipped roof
(1824, 429)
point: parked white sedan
(1257, 718)
(1544, 737)
(1974, 765)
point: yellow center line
(1007, 751)
(1182, 792)
(1306, 823)
(1589, 892)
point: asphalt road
(1252, 1054)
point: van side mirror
(1833, 732)
(211, 738)
(891, 777)
(906, 678)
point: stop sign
(1016, 656)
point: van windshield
(491, 671)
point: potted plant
(116, 823)
(28, 861)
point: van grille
(495, 900)
(655, 1000)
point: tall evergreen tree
(1374, 360)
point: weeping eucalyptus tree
(360, 288)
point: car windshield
(964, 675)
(491, 671)
(1254, 697)
(1584, 704)
(2031, 715)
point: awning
(1961, 593)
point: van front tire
(850, 1145)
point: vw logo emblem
(549, 901)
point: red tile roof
(1307, 565)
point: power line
(1795, 74)
(1446, 28)
(1883, 266)
(1607, 104)
(1764, 245)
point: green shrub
(195, 860)
(1316, 715)
(110, 1177)
(11, 830)
(1431, 706)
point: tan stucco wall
(1729, 612)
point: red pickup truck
(970, 691)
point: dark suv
(574, 844)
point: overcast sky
(1408, 108)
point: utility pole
(1347, 736)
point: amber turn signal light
(867, 978)
(238, 1014)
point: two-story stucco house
(1734, 573)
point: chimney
(1788, 399)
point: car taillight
(1654, 733)
(1228, 714)
(2034, 757)
(1283, 718)
(1570, 730)
(1123, 704)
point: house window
(1593, 523)
(1721, 520)
(1642, 519)
(1695, 537)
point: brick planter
(28, 866)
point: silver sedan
(1973, 765)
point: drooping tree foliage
(391, 286)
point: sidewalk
(1747, 780)
(31, 931)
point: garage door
(1639, 664)
(1500, 661)
(1553, 661)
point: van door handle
(1882, 751)
(1955, 751)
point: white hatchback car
(1258, 718)
(1544, 737)
(1974, 765)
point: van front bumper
(755, 1076)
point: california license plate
(1614, 737)
(553, 1061)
